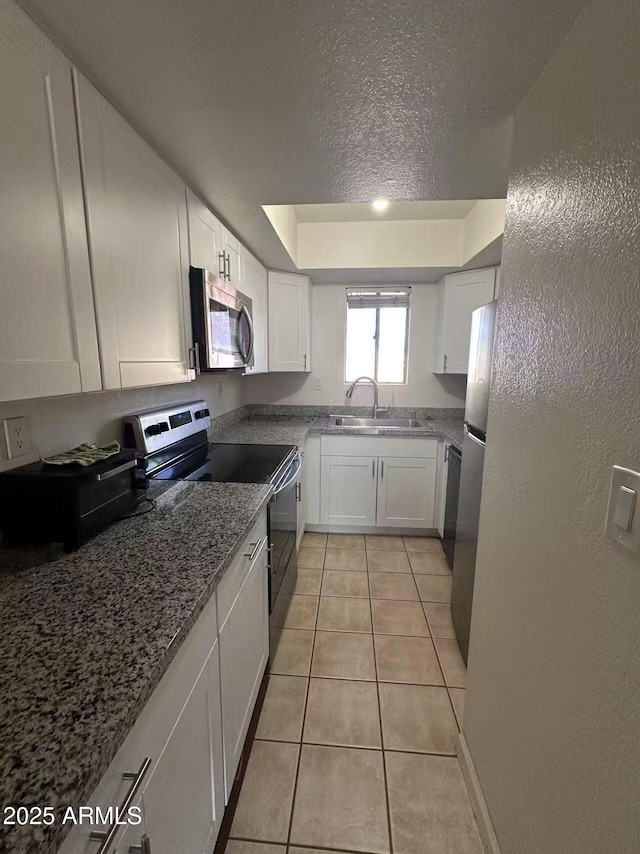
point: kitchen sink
(386, 423)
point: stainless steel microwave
(222, 322)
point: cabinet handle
(446, 453)
(143, 848)
(298, 491)
(223, 271)
(305, 361)
(255, 549)
(228, 267)
(381, 469)
(444, 367)
(373, 468)
(106, 837)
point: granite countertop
(452, 430)
(265, 431)
(270, 430)
(87, 637)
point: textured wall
(553, 706)
(59, 423)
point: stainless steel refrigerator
(475, 438)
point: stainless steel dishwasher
(454, 463)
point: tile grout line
(304, 713)
(384, 761)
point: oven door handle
(282, 486)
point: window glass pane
(361, 344)
(391, 349)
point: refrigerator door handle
(473, 437)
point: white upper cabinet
(205, 236)
(255, 286)
(137, 225)
(48, 343)
(289, 322)
(459, 294)
(232, 258)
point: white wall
(328, 345)
(383, 243)
(552, 714)
(60, 423)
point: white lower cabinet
(384, 482)
(187, 740)
(406, 492)
(244, 645)
(348, 490)
(184, 797)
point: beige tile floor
(355, 747)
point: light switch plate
(623, 517)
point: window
(377, 334)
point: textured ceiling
(363, 211)
(307, 101)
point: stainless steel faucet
(375, 409)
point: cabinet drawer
(152, 729)
(234, 577)
(379, 446)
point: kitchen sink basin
(386, 423)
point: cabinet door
(183, 799)
(137, 219)
(348, 490)
(232, 248)
(204, 236)
(48, 342)
(459, 295)
(255, 286)
(406, 492)
(289, 322)
(244, 650)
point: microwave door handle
(247, 358)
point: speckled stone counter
(451, 430)
(322, 425)
(265, 431)
(272, 430)
(86, 638)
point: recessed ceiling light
(380, 205)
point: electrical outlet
(317, 384)
(17, 438)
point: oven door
(283, 521)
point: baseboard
(365, 529)
(478, 803)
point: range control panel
(158, 428)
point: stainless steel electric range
(174, 445)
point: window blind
(378, 297)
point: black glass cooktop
(229, 463)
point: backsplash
(307, 411)
(59, 423)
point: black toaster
(68, 504)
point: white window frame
(372, 290)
